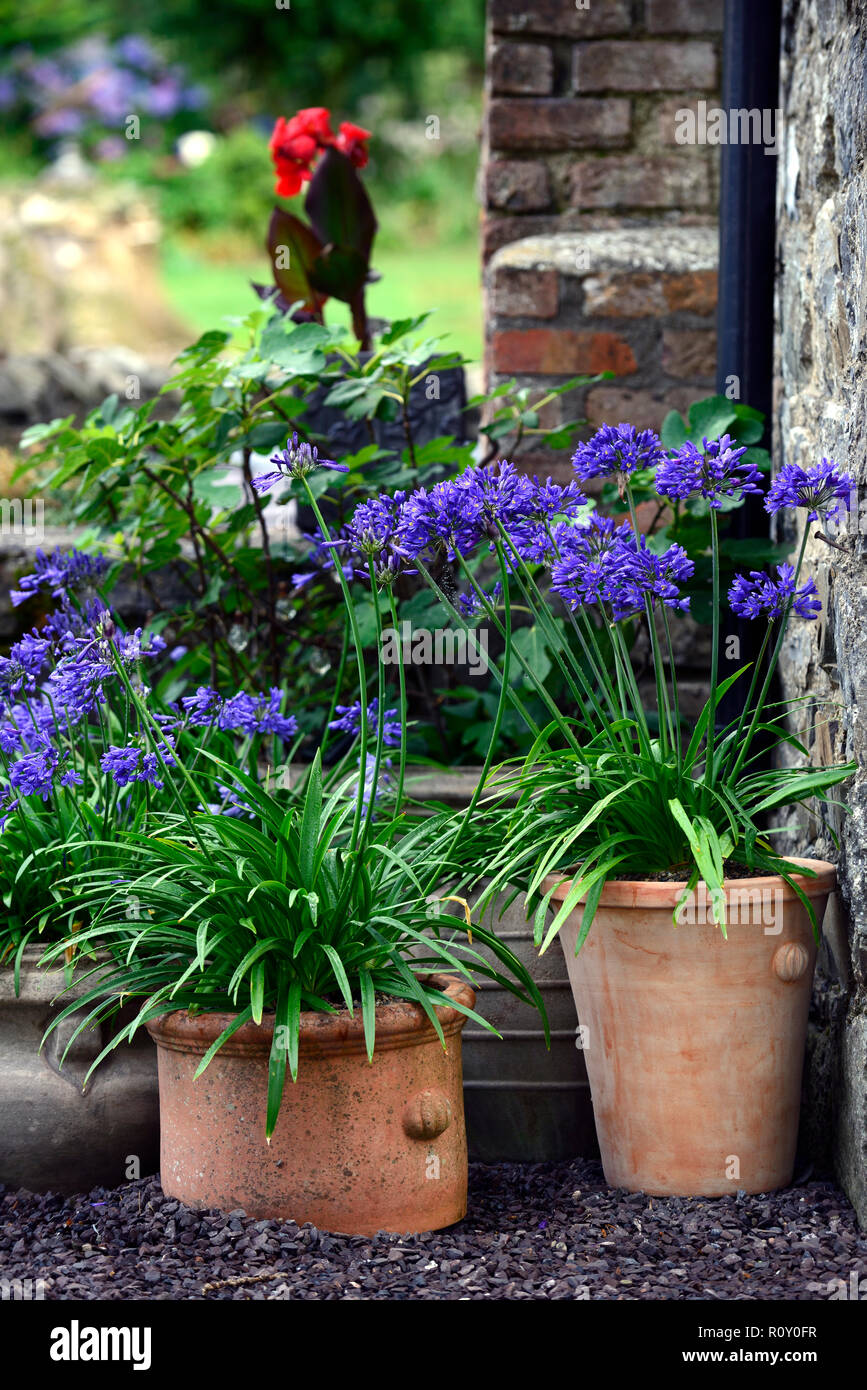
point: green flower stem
(499, 714)
(590, 646)
(666, 731)
(359, 660)
(158, 738)
(714, 651)
(401, 680)
(525, 665)
(380, 710)
(338, 683)
(754, 679)
(540, 610)
(514, 699)
(542, 615)
(775, 656)
(621, 656)
(675, 697)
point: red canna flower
(295, 144)
(352, 140)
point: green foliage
(282, 912)
(148, 482)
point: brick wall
(579, 141)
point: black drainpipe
(747, 226)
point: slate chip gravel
(535, 1231)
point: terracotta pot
(359, 1147)
(694, 1043)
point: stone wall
(599, 227)
(821, 410)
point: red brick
(518, 185)
(689, 352)
(636, 181)
(646, 409)
(635, 296)
(560, 352)
(523, 68)
(525, 293)
(694, 293)
(626, 66)
(561, 18)
(650, 294)
(557, 123)
(684, 16)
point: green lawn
(202, 289)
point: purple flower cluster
(133, 764)
(349, 721)
(822, 489)
(758, 594)
(77, 685)
(606, 565)
(471, 605)
(482, 504)
(715, 471)
(62, 572)
(295, 461)
(21, 669)
(92, 84)
(617, 449)
(240, 713)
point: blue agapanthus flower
(822, 489)
(348, 721)
(471, 605)
(257, 714)
(607, 565)
(21, 669)
(384, 784)
(33, 775)
(449, 518)
(617, 449)
(643, 574)
(241, 713)
(715, 471)
(297, 459)
(61, 572)
(758, 594)
(134, 764)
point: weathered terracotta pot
(359, 1146)
(695, 1044)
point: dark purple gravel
(536, 1231)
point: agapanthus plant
(614, 786)
(78, 762)
(292, 895)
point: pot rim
(398, 1024)
(644, 892)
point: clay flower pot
(695, 1044)
(359, 1146)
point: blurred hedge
(256, 56)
